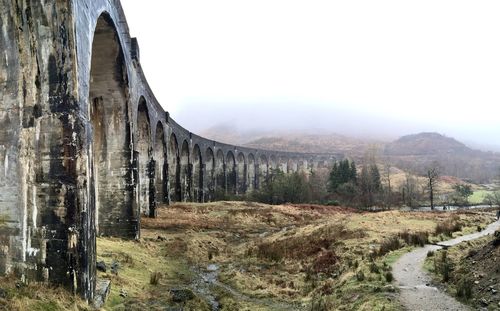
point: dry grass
(448, 226)
(272, 257)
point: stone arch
(283, 165)
(174, 189)
(292, 166)
(273, 166)
(112, 175)
(231, 173)
(197, 168)
(220, 175)
(209, 174)
(160, 160)
(251, 173)
(185, 172)
(144, 163)
(273, 163)
(302, 166)
(241, 173)
(263, 171)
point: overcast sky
(376, 68)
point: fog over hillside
(347, 128)
(368, 69)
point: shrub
(448, 226)
(374, 268)
(321, 304)
(464, 288)
(388, 245)
(430, 253)
(325, 263)
(419, 238)
(155, 277)
(360, 276)
(389, 277)
(442, 266)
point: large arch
(185, 173)
(220, 175)
(241, 173)
(197, 169)
(209, 175)
(251, 173)
(112, 188)
(174, 188)
(231, 179)
(144, 163)
(160, 160)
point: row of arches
(139, 160)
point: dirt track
(417, 293)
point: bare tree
(432, 178)
(387, 179)
(410, 190)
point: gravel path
(416, 292)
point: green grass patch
(478, 196)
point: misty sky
(367, 68)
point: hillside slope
(418, 152)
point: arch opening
(185, 173)
(160, 159)
(231, 177)
(209, 175)
(251, 173)
(241, 174)
(111, 178)
(174, 192)
(197, 168)
(263, 172)
(220, 176)
(145, 164)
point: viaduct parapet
(86, 149)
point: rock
(181, 294)
(483, 302)
(103, 287)
(476, 282)
(213, 267)
(493, 291)
(101, 266)
(389, 288)
(123, 293)
(114, 267)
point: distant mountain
(426, 144)
(418, 152)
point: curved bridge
(86, 149)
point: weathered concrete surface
(86, 149)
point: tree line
(363, 186)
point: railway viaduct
(86, 149)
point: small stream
(208, 278)
(205, 279)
